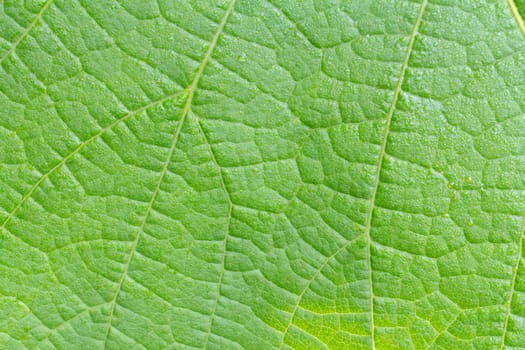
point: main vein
(397, 92)
(26, 31)
(187, 108)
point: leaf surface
(262, 174)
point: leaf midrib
(191, 89)
(382, 152)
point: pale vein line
(80, 147)
(397, 92)
(451, 324)
(227, 235)
(513, 284)
(382, 152)
(517, 15)
(310, 281)
(72, 154)
(187, 107)
(163, 173)
(26, 31)
(207, 56)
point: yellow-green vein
(187, 107)
(397, 91)
(517, 15)
(227, 234)
(377, 177)
(79, 148)
(26, 31)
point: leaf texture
(252, 174)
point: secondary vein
(190, 90)
(77, 150)
(309, 283)
(226, 236)
(134, 245)
(26, 31)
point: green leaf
(262, 174)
